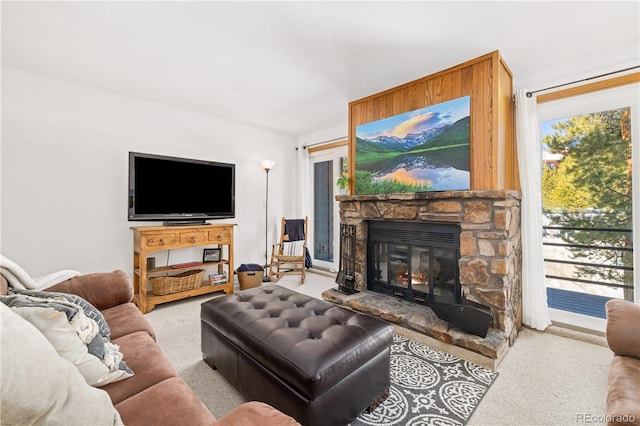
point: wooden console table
(151, 239)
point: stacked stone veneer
(490, 249)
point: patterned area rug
(429, 387)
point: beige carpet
(545, 379)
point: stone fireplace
(480, 230)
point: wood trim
(326, 146)
(591, 87)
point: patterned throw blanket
(87, 322)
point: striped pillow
(293, 248)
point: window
(323, 211)
(325, 166)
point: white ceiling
(295, 66)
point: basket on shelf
(184, 281)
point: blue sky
(545, 126)
(417, 121)
(546, 129)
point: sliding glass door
(590, 203)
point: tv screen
(179, 189)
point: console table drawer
(193, 237)
(220, 236)
(161, 240)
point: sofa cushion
(102, 289)
(126, 319)
(184, 404)
(145, 358)
(623, 393)
(38, 386)
(256, 413)
(75, 337)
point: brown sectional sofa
(623, 337)
(155, 394)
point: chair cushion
(146, 359)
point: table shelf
(151, 239)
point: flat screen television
(179, 190)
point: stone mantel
(490, 245)
(435, 195)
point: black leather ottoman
(315, 361)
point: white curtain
(534, 295)
(302, 191)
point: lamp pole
(266, 165)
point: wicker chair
(288, 256)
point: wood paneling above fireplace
(488, 81)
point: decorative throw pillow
(293, 248)
(75, 336)
(88, 309)
(39, 387)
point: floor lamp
(266, 165)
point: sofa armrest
(103, 289)
(623, 327)
(256, 413)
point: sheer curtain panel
(302, 188)
(535, 311)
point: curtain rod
(323, 142)
(580, 81)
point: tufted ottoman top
(309, 343)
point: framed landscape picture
(422, 150)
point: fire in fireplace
(414, 261)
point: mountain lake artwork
(422, 150)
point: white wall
(64, 168)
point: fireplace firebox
(419, 262)
(414, 261)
